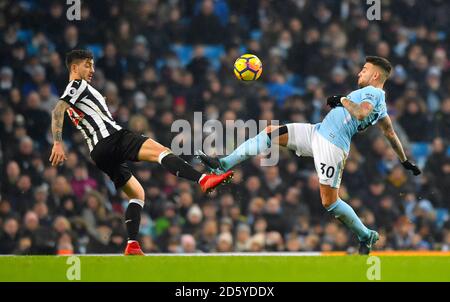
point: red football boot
(210, 181)
(133, 248)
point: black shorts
(111, 153)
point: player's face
(366, 74)
(86, 69)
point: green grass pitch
(226, 268)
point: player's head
(80, 63)
(375, 72)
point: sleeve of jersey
(73, 91)
(370, 95)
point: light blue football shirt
(339, 126)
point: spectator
(198, 66)
(100, 243)
(403, 234)
(432, 91)
(206, 27)
(354, 177)
(224, 243)
(397, 181)
(312, 196)
(47, 97)
(11, 178)
(24, 156)
(256, 209)
(414, 121)
(387, 213)
(60, 188)
(188, 244)
(442, 120)
(274, 216)
(274, 242)
(208, 237)
(148, 245)
(243, 234)
(81, 182)
(10, 236)
(30, 223)
(257, 243)
(23, 198)
(293, 244)
(64, 245)
(193, 223)
(95, 213)
(6, 80)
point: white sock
(138, 201)
(162, 155)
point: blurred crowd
(159, 61)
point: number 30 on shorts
(327, 171)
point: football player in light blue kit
(328, 142)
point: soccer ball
(248, 67)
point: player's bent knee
(328, 195)
(277, 132)
(151, 151)
(160, 148)
(155, 146)
(269, 129)
(327, 203)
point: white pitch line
(269, 254)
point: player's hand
(335, 101)
(58, 155)
(410, 166)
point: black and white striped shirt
(88, 112)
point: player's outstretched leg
(154, 152)
(251, 147)
(181, 168)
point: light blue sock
(345, 213)
(251, 147)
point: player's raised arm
(359, 111)
(58, 155)
(386, 126)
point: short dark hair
(383, 63)
(77, 54)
